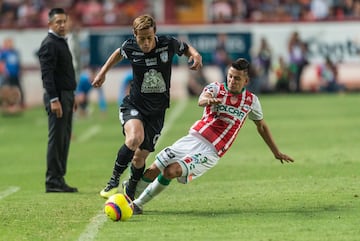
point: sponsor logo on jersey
(233, 111)
(187, 160)
(161, 49)
(164, 56)
(151, 62)
(153, 82)
(135, 53)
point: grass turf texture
(249, 196)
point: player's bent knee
(172, 171)
(152, 172)
(133, 142)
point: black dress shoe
(63, 188)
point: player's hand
(197, 62)
(98, 80)
(213, 101)
(283, 157)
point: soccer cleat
(137, 210)
(140, 187)
(109, 190)
(126, 190)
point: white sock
(142, 184)
(152, 190)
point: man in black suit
(59, 82)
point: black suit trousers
(59, 137)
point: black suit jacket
(57, 70)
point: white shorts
(194, 155)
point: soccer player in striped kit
(226, 107)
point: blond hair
(144, 22)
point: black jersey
(150, 88)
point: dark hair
(54, 11)
(241, 64)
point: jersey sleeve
(123, 49)
(211, 88)
(256, 112)
(179, 46)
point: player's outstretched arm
(114, 58)
(265, 133)
(207, 99)
(194, 57)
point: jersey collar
(226, 87)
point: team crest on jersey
(164, 56)
(134, 112)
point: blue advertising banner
(235, 44)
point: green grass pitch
(248, 196)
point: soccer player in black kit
(143, 110)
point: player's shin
(142, 184)
(123, 159)
(136, 174)
(152, 190)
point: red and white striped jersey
(221, 123)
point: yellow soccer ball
(118, 207)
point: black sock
(136, 174)
(123, 159)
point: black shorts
(153, 124)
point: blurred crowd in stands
(269, 72)
(33, 13)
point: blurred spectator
(27, 14)
(293, 8)
(32, 13)
(320, 9)
(12, 67)
(222, 11)
(9, 100)
(125, 86)
(73, 39)
(7, 14)
(356, 13)
(297, 50)
(240, 10)
(111, 12)
(89, 12)
(262, 62)
(283, 76)
(268, 8)
(130, 9)
(221, 57)
(328, 75)
(83, 91)
(196, 82)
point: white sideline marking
(8, 192)
(93, 227)
(89, 133)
